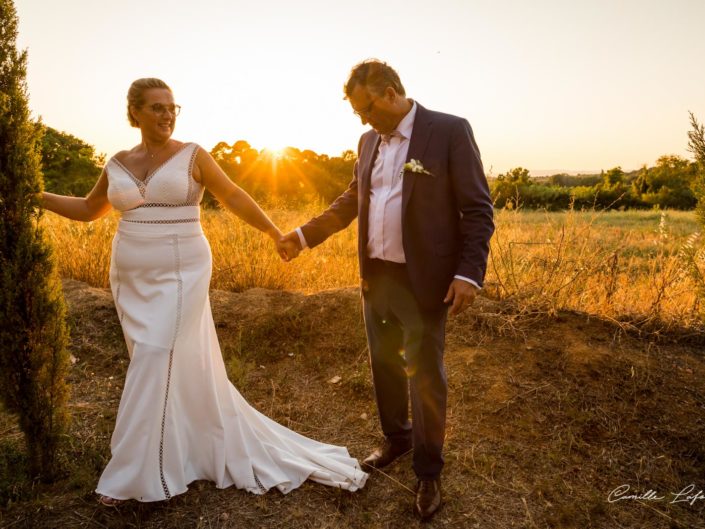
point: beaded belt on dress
(163, 214)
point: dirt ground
(548, 416)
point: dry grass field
(640, 268)
(578, 371)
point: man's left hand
(289, 246)
(461, 294)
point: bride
(179, 418)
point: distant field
(635, 266)
(679, 223)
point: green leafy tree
(509, 189)
(33, 356)
(614, 191)
(640, 184)
(518, 175)
(70, 165)
(613, 178)
(668, 184)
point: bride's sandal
(109, 502)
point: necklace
(160, 149)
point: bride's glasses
(160, 109)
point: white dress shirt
(384, 236)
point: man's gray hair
(376, 76)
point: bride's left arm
(208, 172)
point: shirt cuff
(302, 239)
(462, 278)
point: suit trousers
(406, 354)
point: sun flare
(275, 152)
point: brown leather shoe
(428, 498)
(386, 454)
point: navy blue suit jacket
(446, 216)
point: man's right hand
(289, 246)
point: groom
(425, 221)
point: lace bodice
(169, 185)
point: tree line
(289, 177)
(670, 184)
(293, 177)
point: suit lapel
(366, 161)
(420, 135)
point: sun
(276, 153)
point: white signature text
(687, 494)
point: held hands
(289, 246)
(461, 294)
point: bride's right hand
(289, 246)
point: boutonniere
(415, 166)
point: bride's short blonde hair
(135, 95)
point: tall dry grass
(242, 257)
(635, 267)
(638, 267)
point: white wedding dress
(179, 418)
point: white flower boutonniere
(415, 166)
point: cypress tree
(33, 337)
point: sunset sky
(546, 84)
